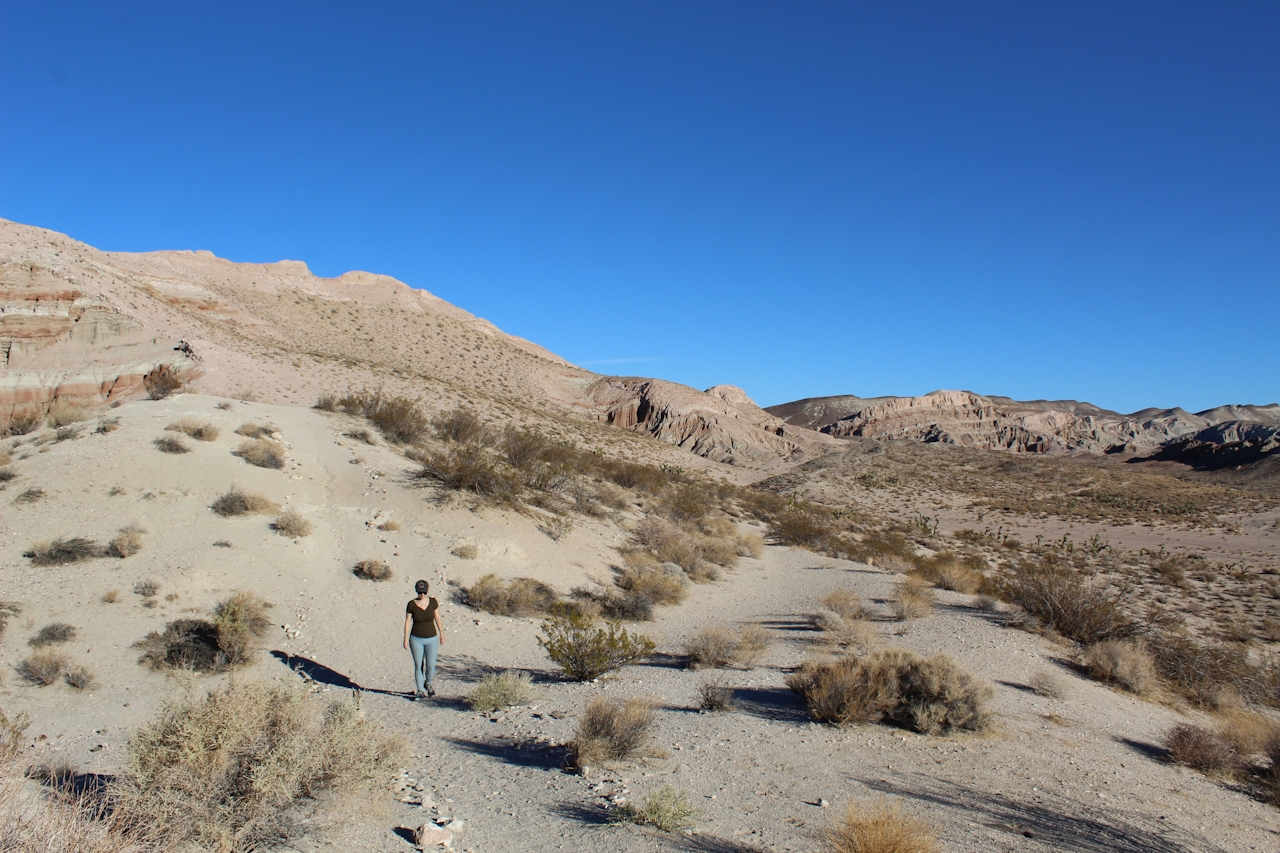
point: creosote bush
(262, 452)
(292, 524)
(880, 827)
(372, 570)
(612, 730)
(499, 690)
(585, 650)
(195, 429)
(61, 552)
(926, 695)
(666, 808)
(518, 597)
(399, 419)
(240, 768)
(234, 502)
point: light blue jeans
(424, 650)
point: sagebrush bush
(518, 597)
(946, 570)
(913, 598)
(666, 808)
(52, 634)
(238, 769)
(195, 429)
(262, 452)
(61, 552)
(292, 524)
(845, 603)
(655, 582)
(169, 444)
(44, 666)
(127, 542)
(80, 678)
(1201, 749)
(1125, 663)
(459, 425)
(164, 381)
(234, 502)
(1087, 610)
(926, 695)
(501, 690)
(612, 730)
(372, 570)
(585, 650)
(711, 645)
(880, 827)
(1048, 684)
(468, 468)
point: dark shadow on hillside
(1146, 750)
(770, 703)
(593, 815)
(310, 670)
(1071, 827)
(1025, 688)
(710, 844)
(520, 753)
(799, 625)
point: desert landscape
(672, 620)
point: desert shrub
(8, 609)
(7, 475)
(879, 828)
(226, 641)
(1086, 610)
(913, 598)
(611, 730)
(400, 420)
(24, 423)
(590, 603)
(31, 495)
(633, 475)
(1200, 749)
(372, 570)
(52, 634)
(1125, 663)
(5, 458)
(1048, 684)
(61, 552)
(390, 525)
(239, 769)
(753, 643)
(585, 650)
(111, 596)
(326, 403)
(656, 583)
(803, 529)
(127, 542)
(845, 603)
(164, 381)
(518, 597)
(44, 666)
(68, 433)
(468, 468)
(557, 527)
(234, 502)
(1211, 673)
(711, 645)
(195, 429)
(926, 695)
(501, 690)
(714, 696)
(80, 677)
(465, 550)
(255, 430)
(292, 524)
(108, 426)
(751, 545)
(262, 452)
(1249, 732)
(146, 588)
(64, 414)
(946, 570)
(844, 631)
(241, 620)
(362, 435)
(169, 444)
(666, 808)
(458, 425)
(687, 502)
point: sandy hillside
(1080, 773)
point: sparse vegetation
(719, 646)
(654, 581)
(1125, 663)
(666, 808)
(1048, 684)
(80, 678)
(111, 596)
(30, 496)
(262, 452)
(164, 381)
(170, 444)
(292, 524)
(518, 597)
(8, 609)
(255, 430)
(195, 429)
(462, 426)
(1201, 749)
(23, 423)
(44, 666)
(1087, 610)
(465, 550)
(880, 827)
(62, 552)
(913, 598)
(585, 650)
(714, 696)
(226, 641)
(612, 730)
(127, 542)
(390, 525)
(146, 588)
(235, 502)
(64, 414)
(52, 634)
(235, 770)
(501, 690)
(926, 695)
(372, 570)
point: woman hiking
(423, 636)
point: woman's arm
(439, 627)
(408, 626)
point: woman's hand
(406, 645)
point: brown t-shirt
(424, 620)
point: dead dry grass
(1125, 663)
(44, 666)
(170, 444)
(879, 827)
(127, 542)
(262, 452)
(62, 552)
(372, 570)
(293, 524)
(195, 429)
(517, 597)
(610, 731)
(235, 502)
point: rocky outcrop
(1233, 444)
(721, 423)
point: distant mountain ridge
(1218, 437)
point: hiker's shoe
(431, 691)
(418, 696)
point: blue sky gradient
(1041, 200)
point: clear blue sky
(1033, 199)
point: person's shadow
(310, 670)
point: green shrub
(585, 650)
(667, 808)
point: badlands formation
(909, 531)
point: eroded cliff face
(721, 423)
